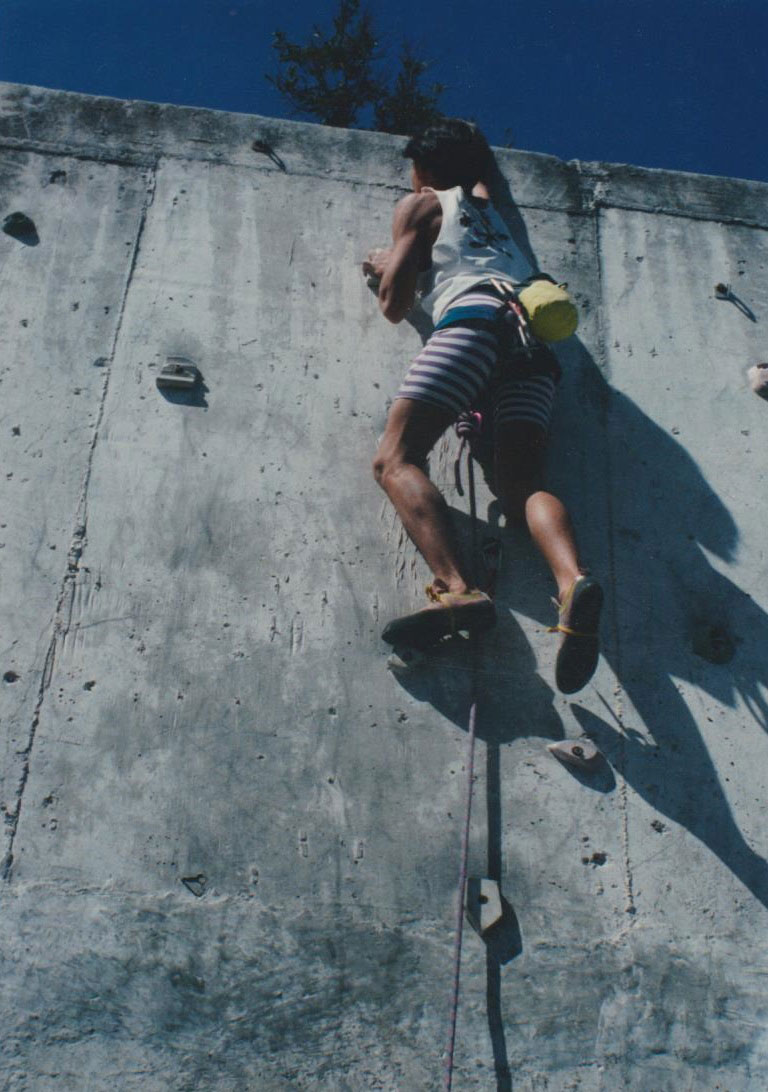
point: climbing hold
(483, 904)
(179, 373)
(263, 147)
(20, 227)
(758, 379)
(195, 884)
(581, 753)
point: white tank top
(474, 244)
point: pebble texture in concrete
(231, 837)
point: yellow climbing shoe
(447, 613)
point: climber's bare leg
(413, 428)
(520, 448)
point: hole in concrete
(19, 226)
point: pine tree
(407, 107)
(334, 76)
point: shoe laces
(563, 607)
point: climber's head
(451, 152)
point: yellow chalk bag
(552, 314)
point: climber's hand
(376, 263)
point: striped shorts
(455, 369)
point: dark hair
(455, 151)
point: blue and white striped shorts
(456, 366)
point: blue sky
(678, 84)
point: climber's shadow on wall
(677, 616)
(645, 515)
(513, 700)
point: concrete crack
(62, 617)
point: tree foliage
(407, 106)
(335, 76)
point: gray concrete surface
(231, 834)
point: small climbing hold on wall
(483, 904)
(179, 373)
(581, 753)
(758, 379)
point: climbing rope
(467, 426)
(462, 888)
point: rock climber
(449, 243)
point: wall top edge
(38, 119)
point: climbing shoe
(447, 613)
(578, 621)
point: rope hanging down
(467, 426)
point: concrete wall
(231, 834)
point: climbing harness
(522, 349)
